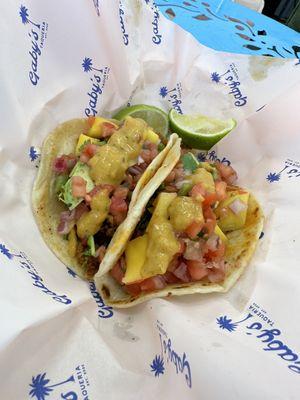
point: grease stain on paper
(260, 66)
(121, 330)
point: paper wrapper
(58, 339)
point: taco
(91, 174)
(193, 231)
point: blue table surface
(231, 27)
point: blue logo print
(38, 35)
(99, 80)
(212, 156)
(4, 250)
(168, 354)
(40, 388)
(97, 7)
(267, 336)
(289, 170)
(173, 96)
(38, 281)
(34, 156)
(157, 366)
(71, 272)
(123, 28)
(104, 311)
(157, 36)
(231, 78)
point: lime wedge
(199, 131)
(155, 117)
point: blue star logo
(157, 366)
(226, 323)
(87, 64)
(273, 177)
(33, 155)
(24, 17)
(5, 251)
(215, 77)
(163, 91)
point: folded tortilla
(240, 248)
(46, 206)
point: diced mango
(228, 219)
(161, 205)
(96, 130)
(221, 235)
(204, 177)
(152, 136)
(84, 140)
(183, 211)
(135, 254)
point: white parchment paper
(63, 59)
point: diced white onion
(237, 206)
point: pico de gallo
(96, 182)
(181, 238)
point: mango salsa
(204, 177)
(96, 130)
(232, 212)
(84, 140)
(221, 235)
(152, 136)
(135, 254)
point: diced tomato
(117, 273)
(88, 152)
(209, 199)
(198, 192)
(221, 190)
(181, 272)
(153, 283)
(208, 213)
(217, 254)
(90, 121)
(108, 129)
(118, 206)
(64, 163)
(210, 220)
(227, 173)
(197, 269)
(78, 186)
(193, 229)
(149, 152)
(134, 289)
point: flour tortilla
(46, 206)
(239, 251)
